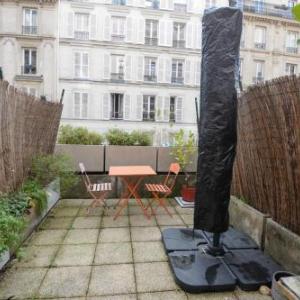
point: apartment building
(29, 45)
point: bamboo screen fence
(28, 126)
(267, 168)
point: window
(177, 71)
(150, 69)
(29, 61)
(118, 29)
(260, 37)
(149, 108)
(259, 6)
(290, 69)
(80, 105)
(151, 37)
(152, 4)
(179, 35)
(117, 67)
(81, 65)
(291, 42)
(172, 109)
(119, 2)
(116, 106)
(180, 5)
(29, 21)
(210, 3)
(81, 26)
(259, 71)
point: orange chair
(161, 191)
(97, 190)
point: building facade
(29, 45)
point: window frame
(81, 106)
(81, 32)
(150, 114)
(116, 115)
(30, 64)
(81, 66)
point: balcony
(178, 43)
(293, 50)
(81, 35)
(258, 79)
(117, 77)
(261, 46)
(30, 30)
(117, 38)
(180, 7)
(177, 80)
(117, 116)
(28, 70)
(151, 41)
(151, 78)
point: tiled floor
(78, 257)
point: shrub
(78, 135)
(141, 138)
(46, 168)
(16, 204)
(119, 137)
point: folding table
(132, 177)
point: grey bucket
(276, 294)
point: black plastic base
(196, 272)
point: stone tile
(65, 282)
(155, 276)
(132, 202)
(174, 295)
(162, 228)
(242, 295)
(111, 211)
(111, 202)
(86, 202)
(188, 219)
(113, 253)
(135, 210)
(75, 255)
(139, 234)
(110, 235)
(21, 283)
(148, 252)
(66, 211)
(57, 223)
(112, 279)
(141, 220)
(159, 210)
(121, 221)
(186, 211)
(94, 212)
(86, 222)
(212, 296)
(48, 237)
(167, 220)
(114, 297)
(70, 202)
(82, 236)
(38, 256)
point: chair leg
(161, 202)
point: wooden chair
(98, 191)
(161, 191)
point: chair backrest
(173, 169)
(86, 178)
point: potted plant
(183, 152)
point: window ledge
(29, 77)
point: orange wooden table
(132, 177)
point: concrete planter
(247, 219)
(130, 156)
(91, 155)
(283, 245)
(165, 158)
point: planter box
(164, 159)
(4, 259)
(91, 155)
(130, 156)
(247, 219)
(283, 245)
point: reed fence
(28, 127)
(267, 167)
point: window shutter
(70, 25)
(127, 107)
(162, 33)
(141, 3)
(106, 66)
(93, 29)
(129, 30)
(159, 109)
(85, 65)
(198, 35)
(170, 4)
(140, 65)
(128, 67)
(106, 28)
(105, 107)
(129, 3)
(187, 73)
(190, 4)
(169, 38)
(139, 108)
(168, 70)
(84, 106)
(160, 77)
(76, 111)
(141, 30)
(167, 109)
(198, 72)
(179, 109)
(189, 35)
(163, 4)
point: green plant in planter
(141, 138)
(119, 137)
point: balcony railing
(260, 46)
(178, 44)
(81, 35)
(177, 80)
(117, 116)
(117, 77)
(151, 78)
(180, 7)
(29, 30)
(258, 79)
(293, 50)
(151, 41)
(117, 38)
(28, 70)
